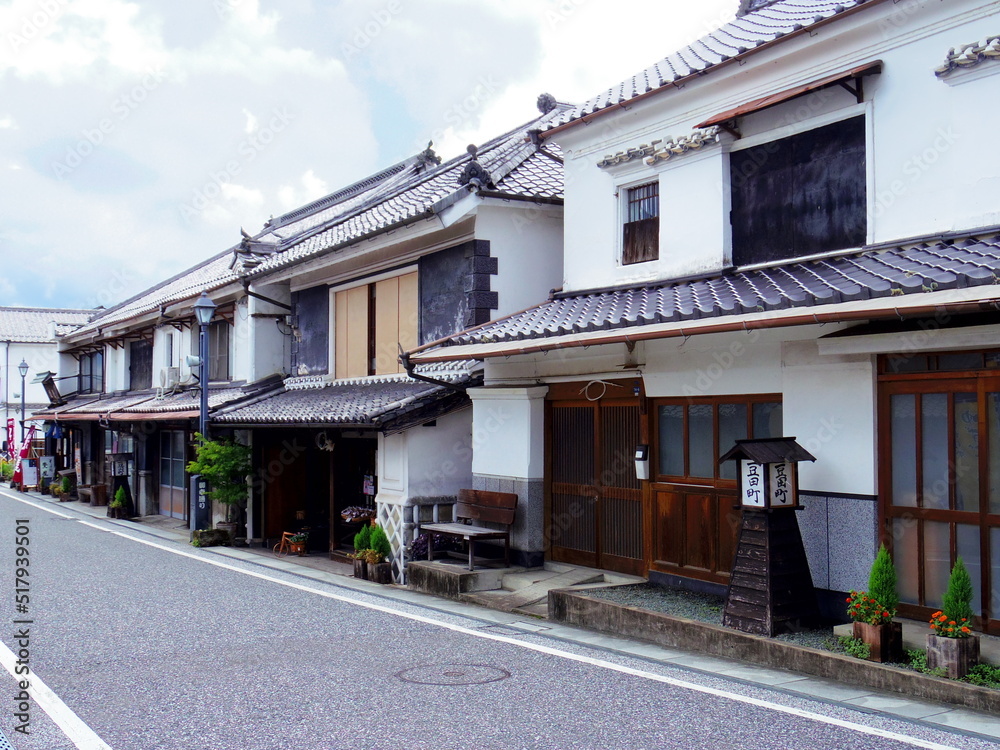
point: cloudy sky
(137, 138)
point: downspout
(404, 359)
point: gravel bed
(702, 608)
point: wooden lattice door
(595, 499)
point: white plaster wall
(932, 165)
(269, 349)
(829, 406)
(392, 463)
(115, 369)
(40, 358)
(240, 350)
(714, 365)
(508, 432)
(527, 240)
(439, 458)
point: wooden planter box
(380, 572)
(361, 569)
(955, 655)
(884, 641)
(118, 513)
(298, 548)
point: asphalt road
(148, 649)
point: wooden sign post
(770, 588)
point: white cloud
(343, 74)
(309, 188)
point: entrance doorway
(354, 484)
(939, 477)
(172, 476)
(594, 499)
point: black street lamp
(23, 369)
(204, 309)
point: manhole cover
(453, 674)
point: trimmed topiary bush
(882, 581)
(380, 542)
(362, 540)
(957, 600)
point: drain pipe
(409, 367)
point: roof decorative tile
(653, 152)
(970, 55)
(896, 271)
(31, 325)
(762, 23)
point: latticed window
(641, 231)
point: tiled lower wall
(528, 534)
(840, 535)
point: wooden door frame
(618, 392)
(979, 382)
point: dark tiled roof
(735, 38)
(138, 403)
(516, 166)
(32, 324)
(354, 403)
(211, 274)
(903, 270)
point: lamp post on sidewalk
(204, 309)
(201, 508)
(23, 369)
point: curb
(573, 608)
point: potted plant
(872, 611)
(377, 557)
(362, 543)
(298, 542)
(952, 646)
(225, 465)
(119, 506)
(65, 488)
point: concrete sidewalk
(318, 568)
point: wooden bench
(482, 506)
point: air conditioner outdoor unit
(170, 376)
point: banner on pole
(22, 454)
(11, 446)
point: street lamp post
(201, 510)
(23, 369)
(204, 309)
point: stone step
(536, 593)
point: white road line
(776, 707)
(75, 729)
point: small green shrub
(957, 601)
(855, 647)
(66, 485)
(363, 539)
(380, 542)
(984, 675)
(916, 658)
(882, 581)
(6, 470)
(121, 500)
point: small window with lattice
(641, 230)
